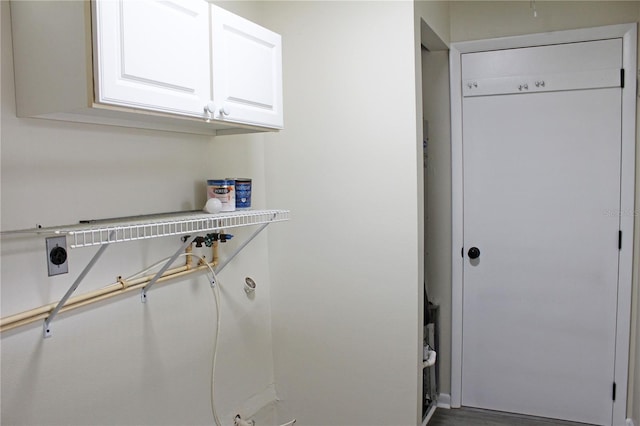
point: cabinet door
(152, 55)
(247, 71)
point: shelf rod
(188, 240)
(242, 246)
(74, 286)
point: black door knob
(474, 253)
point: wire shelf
(166, 225)
(107, 231)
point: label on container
(223, 190)
(243, 193)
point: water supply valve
(209, 239)
(199, 241)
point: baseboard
(444, 400)
(429, 415)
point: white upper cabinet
(177, 65)
(247, 70)
(153, 55)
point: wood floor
(475, 417)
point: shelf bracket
(242, 246)
(74, 286)
(187, 241)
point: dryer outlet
(57, 259)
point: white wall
(346, 271)
(471, 20)
(121, 362)
(474, 20)
(437, 16)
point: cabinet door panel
(153, 55)
(247, 70)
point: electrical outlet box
(57, 259)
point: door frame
(628, 33)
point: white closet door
(541, 176)
(153, 55)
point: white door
(247, 71)
(153, 55)
(541, 152)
